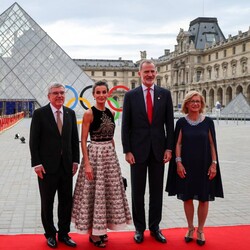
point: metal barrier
(7, 121)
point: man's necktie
(59, 121)
(149, 106)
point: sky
(112, 29)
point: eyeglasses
(195, 101)
(58, 93)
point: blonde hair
(188, 98)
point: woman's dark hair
(99, 83)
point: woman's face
(101, 94)
(194, 105)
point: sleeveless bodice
(103, 126)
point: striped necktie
(59, 121)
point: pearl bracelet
(178, 159)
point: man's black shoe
(158, 236)
(138, 237)
(67, 241)
(51, 241)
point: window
(115, 73)
(92, 73)
(234, 50)
(216, 55)
(198, 75)
(158, 69)
(244, 67)
(217, 72)
(133, 73)
(158, 82)
(209, 58)
(104, 73)
(132, 85)
(243, 47)
(224, 71)
(233, 69)
(209, 74)
(210, 38)
(198, 59)
(225, 53)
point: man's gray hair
(147, 61)
(55, 85)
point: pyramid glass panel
(30, 61)
(237, 107)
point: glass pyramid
(238, 107)
(30, 60)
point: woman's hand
(212, 171)
(181, 170)
(88, 172)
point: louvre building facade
(202, 60)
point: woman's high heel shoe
(98, 243)
(200, 238)
(104, 237)
(189, 235)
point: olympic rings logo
(85, 103)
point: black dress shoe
(138, 237)
(51, 241)
(67, 241)
(158, 236)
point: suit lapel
(141, 101)
(51, 118)
(157, 100)
(65, 119)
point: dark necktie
(59, 121)
(149, 106)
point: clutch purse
(124, 182)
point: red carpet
(217, 238)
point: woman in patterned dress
(99, 201)
(194, 172)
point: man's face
(148, 74)
(57, 97)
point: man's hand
(129, 157)
(40, 171)
(74, 168)
(167, 156)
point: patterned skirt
(100, 204)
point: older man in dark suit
(147, 138)
(54, 147)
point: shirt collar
(55, 109)
(144, 87)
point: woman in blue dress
(194, 171)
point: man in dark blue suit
(147, 138)
(54, 147)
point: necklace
(194, 123)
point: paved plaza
(20, 201)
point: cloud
(112, 29)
